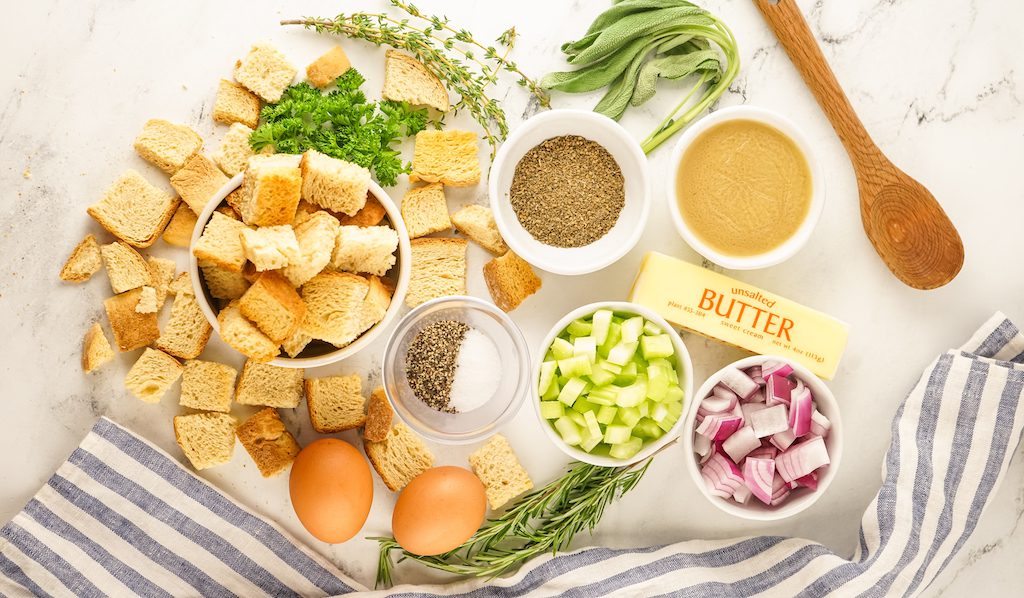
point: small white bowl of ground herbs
(455, 369)
(570, 191)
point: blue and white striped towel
(121, 517)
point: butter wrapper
(739, 314)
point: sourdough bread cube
(147, 301)
(167, 145)
(162, 272)
(477, 223)
(333, 184)
(496, 465)
(335, 403)
(207, 439)
(187, 332)
(273, 305)
(448, 157)
(374, 306)
(243, 336)
(317, 237)
(96, 350)
(181, 285)
(223, 284)
(207, 385)
(510, 280)
(407, 80)
(269, 385)
(221, 243)
(271, 189)
(265, 71)
(400, 457)
(134, 210)
(324, 70)
(152, 375)
(378, 416)
(425, 210)
(333, 306)
(438, 270)
(236, 105)
(235, 151)
(84, 261)
(179, 230)
(198, 181)
(370, 250)
(132, 329)
(126, 268)
(270, 247)
(271, 446)
(296, 343)
(371, 214)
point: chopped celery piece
(617, 319)
(659, 413)
(648, 429)
(606, 414)
(645, 408)
(576, 417)
(626, 449)
(656, 346)
(585, 347)
(579, 327)
(622, 353)
(627, 376)
(549, 356)
(584, 405)
(611, 367)
(568, 430)
(592, 426)
(629, 416)
(571, 391)
(551, 409)
(632, 395)
(552, 392)
(669, 368)
(599, 328)
(667, 423)
(613, 338)
(574, 366)
(632, 329)
(651, 329)
(561, 348)
(547, 376)
(657, 382)
(616, 434)
(674, 394)
(674, 409)
(601, 377)
(601, 398)
(590, 441)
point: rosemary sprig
(546, 520)
(454, 55)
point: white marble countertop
(936, 83)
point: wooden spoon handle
(788, 23)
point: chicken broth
(744, 188)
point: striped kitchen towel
(121, 517)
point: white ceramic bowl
(631, 160)
(684, 367)
(317, 353)
(803, 234)
(798, 500)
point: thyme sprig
(546, 520)
(465, 65)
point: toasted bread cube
(371, 214)
(271, 446)
(187, 332)
(162, 272)
(132, 329)
(448, 157)
(400, 457)
(167, 145)
(334, 184)
(134, 210)
(407, 80)
(181, 285)
(375, 305)
(179, 230)
(235, 151)
(317, 237)
(84, 261)
(207, 439)
(370, 250)
(221, 243)
(265, 71)
(270, 190)
(223, 284)
(425, 210)
(273, 305)
(126, 268)
(335, 403)
(510, 280)
(438, 270)
(270, 247)
(378, 417)
(236, 104)
(324, 70)
(198, 181)
(243, 336)
(296, 343)
(269, 385)
(333, 306)
(152, 375)
(477, 223)
(207, 385)
(496, 465)
(96, 350)
(147, 301)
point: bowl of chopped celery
(612, 383)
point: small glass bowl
(469, 426)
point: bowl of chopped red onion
(766, 438)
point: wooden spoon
(908, 228)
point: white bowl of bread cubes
(300, 260)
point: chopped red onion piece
(776, 368)
(748, 408)
(717, 404)
(757, 397)
(778, 390)
(758, 475)
(809, 481)
(701, 444)
(741, 443)
(755, 374)
(721, 475)
(764, 452)
(819, 424)
(783, 440)
(738, 382)
(800, 411)
(779, 489)
(719, 427)
(724, 393)
(802, 459)
(771, 420)
(741, 495)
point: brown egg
(331, 489)
(439, 510)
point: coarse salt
(477, 372)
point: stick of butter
(739, 314)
